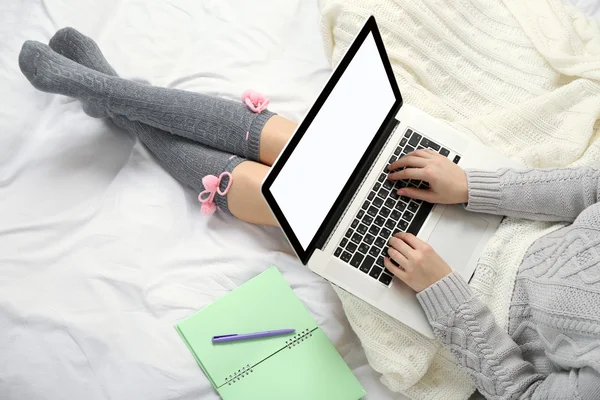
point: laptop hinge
(349, 194)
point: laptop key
(403, 142)
(424, 185)
(414, 139)
(407, 215)
(343, 242)
(377, 202)
(434, 146)
(385, 233)
(375, 272)
(375, 251)
(456, 159)
(367, 264)
(390, 203)
(351, 247)
(382, 177)
(363, 248)
(383, 193)
(356, 260)
(365, 205)
(380, 242)
(356, 238)
(392, 160)
(354, 223)
(396, 215)
(424, 142)
(370, 196)
(400, 206)
(374, 230)
(376, 187)
(384, 212)
(369, 239)
(402, 225)
(413, 207)
(373, 211)
(338, 251)
(408, 133)
(362, 229)
(349, 233)
(346, 256)
(405, 199)
(397, 151)
(367, 219)
(390, 224)
(445, 152)
(401, 184)
(408, 149)
(365, 268)
(388, 184)
(379, 221)
(360, 214)
(385, 279)
(379, 262)
(395, 196)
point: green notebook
(303, 366)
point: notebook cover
(304, 365)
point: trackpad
(457, 235)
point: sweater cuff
(444, 296)
(484, 191)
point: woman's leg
(219, 123)
(244, 199)
(77, 47)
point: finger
(399, 245)
(410, 239)
(425, 153)
(408, 173)
(408, 161)
(399, 272)
(419, 194)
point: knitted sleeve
(467, 328)
(557, 194)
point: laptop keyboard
(384, 213)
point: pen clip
(224, 336)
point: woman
(223, 150)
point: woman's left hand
(420, 266)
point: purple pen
(246, 336)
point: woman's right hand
(447, 181)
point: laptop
(329, 190)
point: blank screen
(322, 162)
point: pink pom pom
(255, 101)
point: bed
(101, 251)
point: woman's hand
(420, 266)
(447, 181)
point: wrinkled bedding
(101, 251)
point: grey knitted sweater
(552, 347)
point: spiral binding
(247, 370)
(298, 337)
(239, 375)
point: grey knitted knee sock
(83, 50)
(215, 122)
(188, 162)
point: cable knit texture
(552, 348)
(522, 77)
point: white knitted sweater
(522, 76)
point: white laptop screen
(317, 170)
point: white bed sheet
(101, 251)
